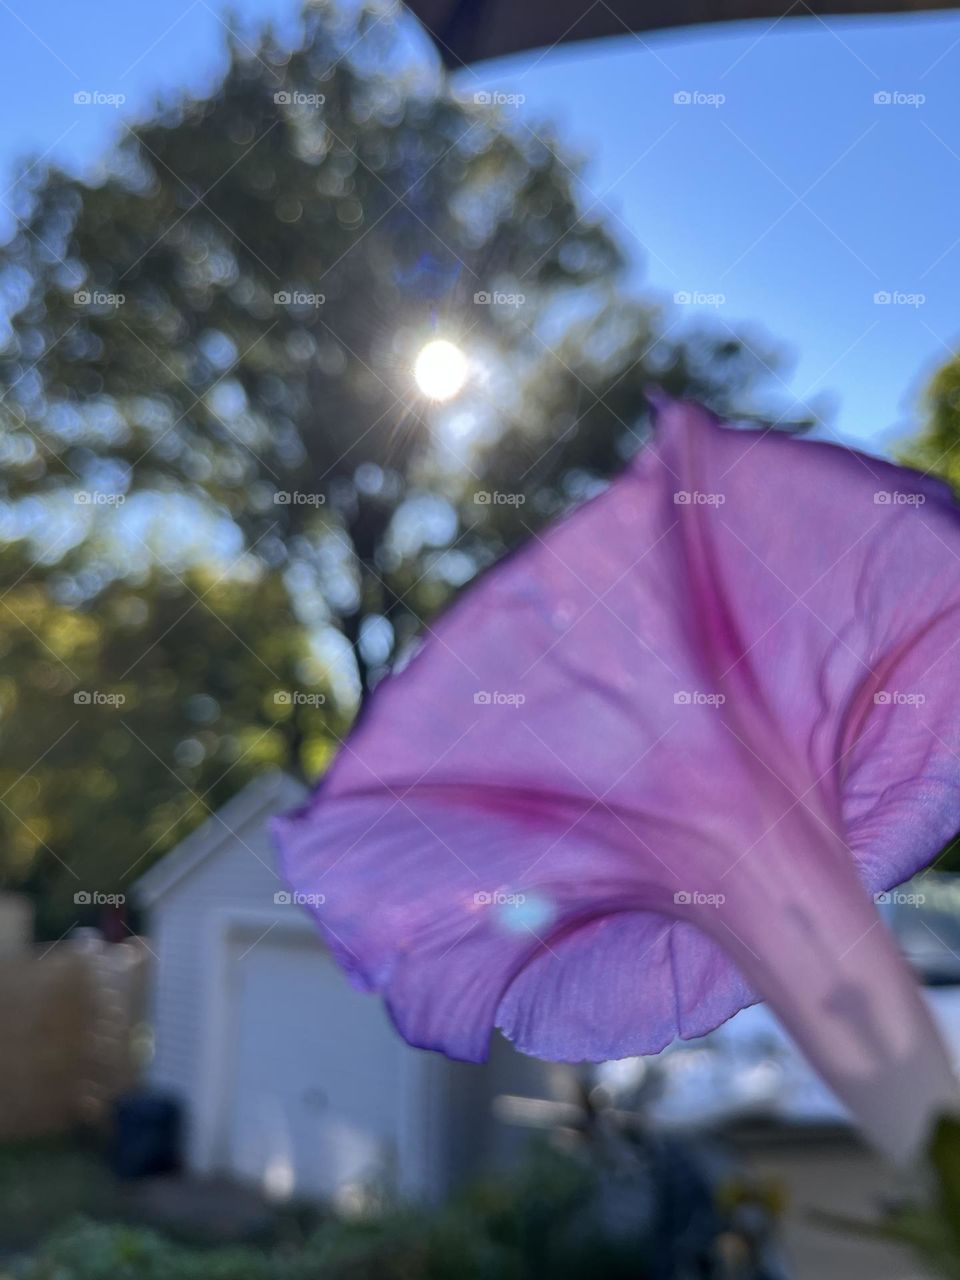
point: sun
(441, 369)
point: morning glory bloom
(657, 764)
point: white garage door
(313, 1074)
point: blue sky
(783, 195)
(798, 198)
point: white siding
(240, 873)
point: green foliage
(43, 1184)
(945, 1158)
(89, 1251)
(405, 1246)
(564, 1217)
(127, 724)
(934, 449)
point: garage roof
(267, 794)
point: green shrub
(401, 1246)
(92, 1251)
(634, 1211)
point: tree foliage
(935, 447)
(207, 392)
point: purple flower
(655, 765)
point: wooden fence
(71, 1026)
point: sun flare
(440, 370)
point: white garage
(291, 1079)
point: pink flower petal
(647, 769)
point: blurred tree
(935, 447)
(935, 450)
(235, 307)
(220, 328)
(126, 725)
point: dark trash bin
(148, 1131)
